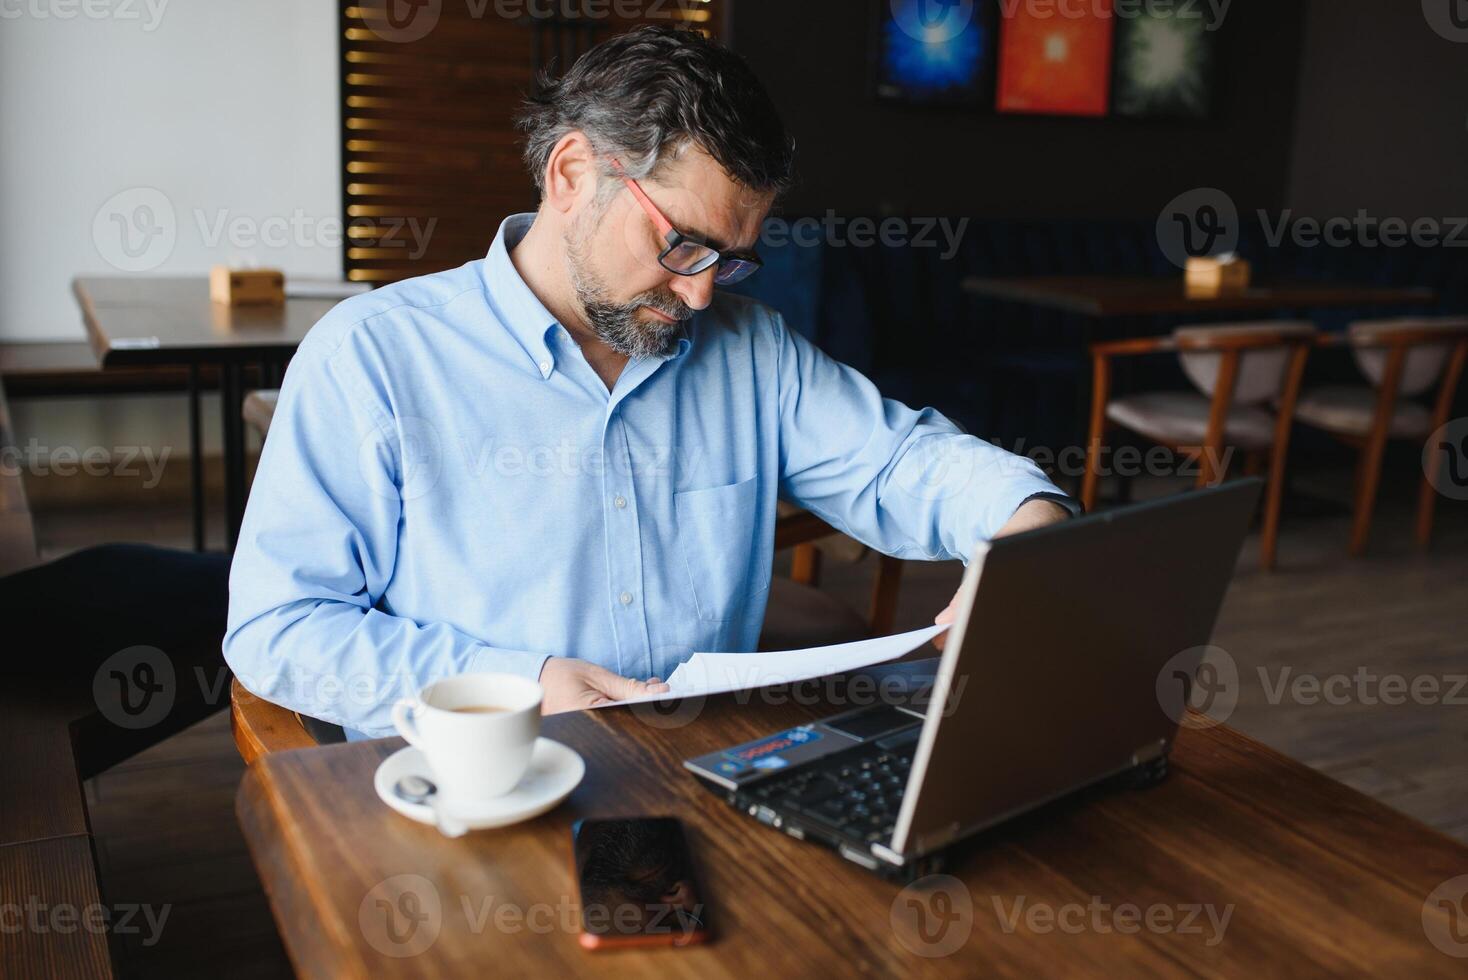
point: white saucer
(555, 770)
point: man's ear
(571, 174)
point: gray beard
(617, 324)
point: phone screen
(637, 884)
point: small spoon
(421, 792)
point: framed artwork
(935, 51)
(1054, 62)
(1164, 67)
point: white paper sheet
(721, 673)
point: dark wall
(1383, 119)
(859, 156)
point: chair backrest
(1265, 356)
(1429, 341)
(261, 727)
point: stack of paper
(720, 673)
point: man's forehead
(704, 202)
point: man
(562, 461)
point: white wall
(167, 116)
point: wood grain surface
(52, 921)
(1243, 863)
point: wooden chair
(797, 615)
(259, 409)
(1402, 360)
(1238, 369)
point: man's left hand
(1034, 513)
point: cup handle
(402, 719)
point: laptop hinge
(887, 854)
(942, 837)
(1150, 752)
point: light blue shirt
(448, 487)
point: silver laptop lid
(1049, 679)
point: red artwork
(1055, 59)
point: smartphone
(637, 884)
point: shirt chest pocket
(716, 533)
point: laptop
(1050, 682)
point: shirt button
(545, 368)
(625, 598)
(621, 502)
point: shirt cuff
(1071, 505)
(489, 660)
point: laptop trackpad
(871, 722)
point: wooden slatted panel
(430, 154)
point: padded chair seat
(259, 409)
(1180, 418)
(799, 616)
(1352, 412)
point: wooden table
(1108, 296)
(17, 534)
(1316, 879)
(139, 320)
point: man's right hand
(574, 685)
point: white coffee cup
(478, 732)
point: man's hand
(1034, 513)
(573, 685)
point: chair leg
(1369, 476)
(884, 594)
(1214, 467)
(1426, 505)
(805, 564)
(1091, 481)
(1273, 501)
(1279, 454)
(1427, 499)
(1100, 394)
(1367, 484)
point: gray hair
(648, 95)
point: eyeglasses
(686, 256)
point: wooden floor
(165, 824)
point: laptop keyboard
(856, 793)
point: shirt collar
(522, 312)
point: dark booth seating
(1010, 371)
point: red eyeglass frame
(749, 262)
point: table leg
(196, 459)
(231, 403)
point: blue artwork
(935, 50)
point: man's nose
(696, 291)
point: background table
(1108, 296)
(1323, 880)
(153, 321)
